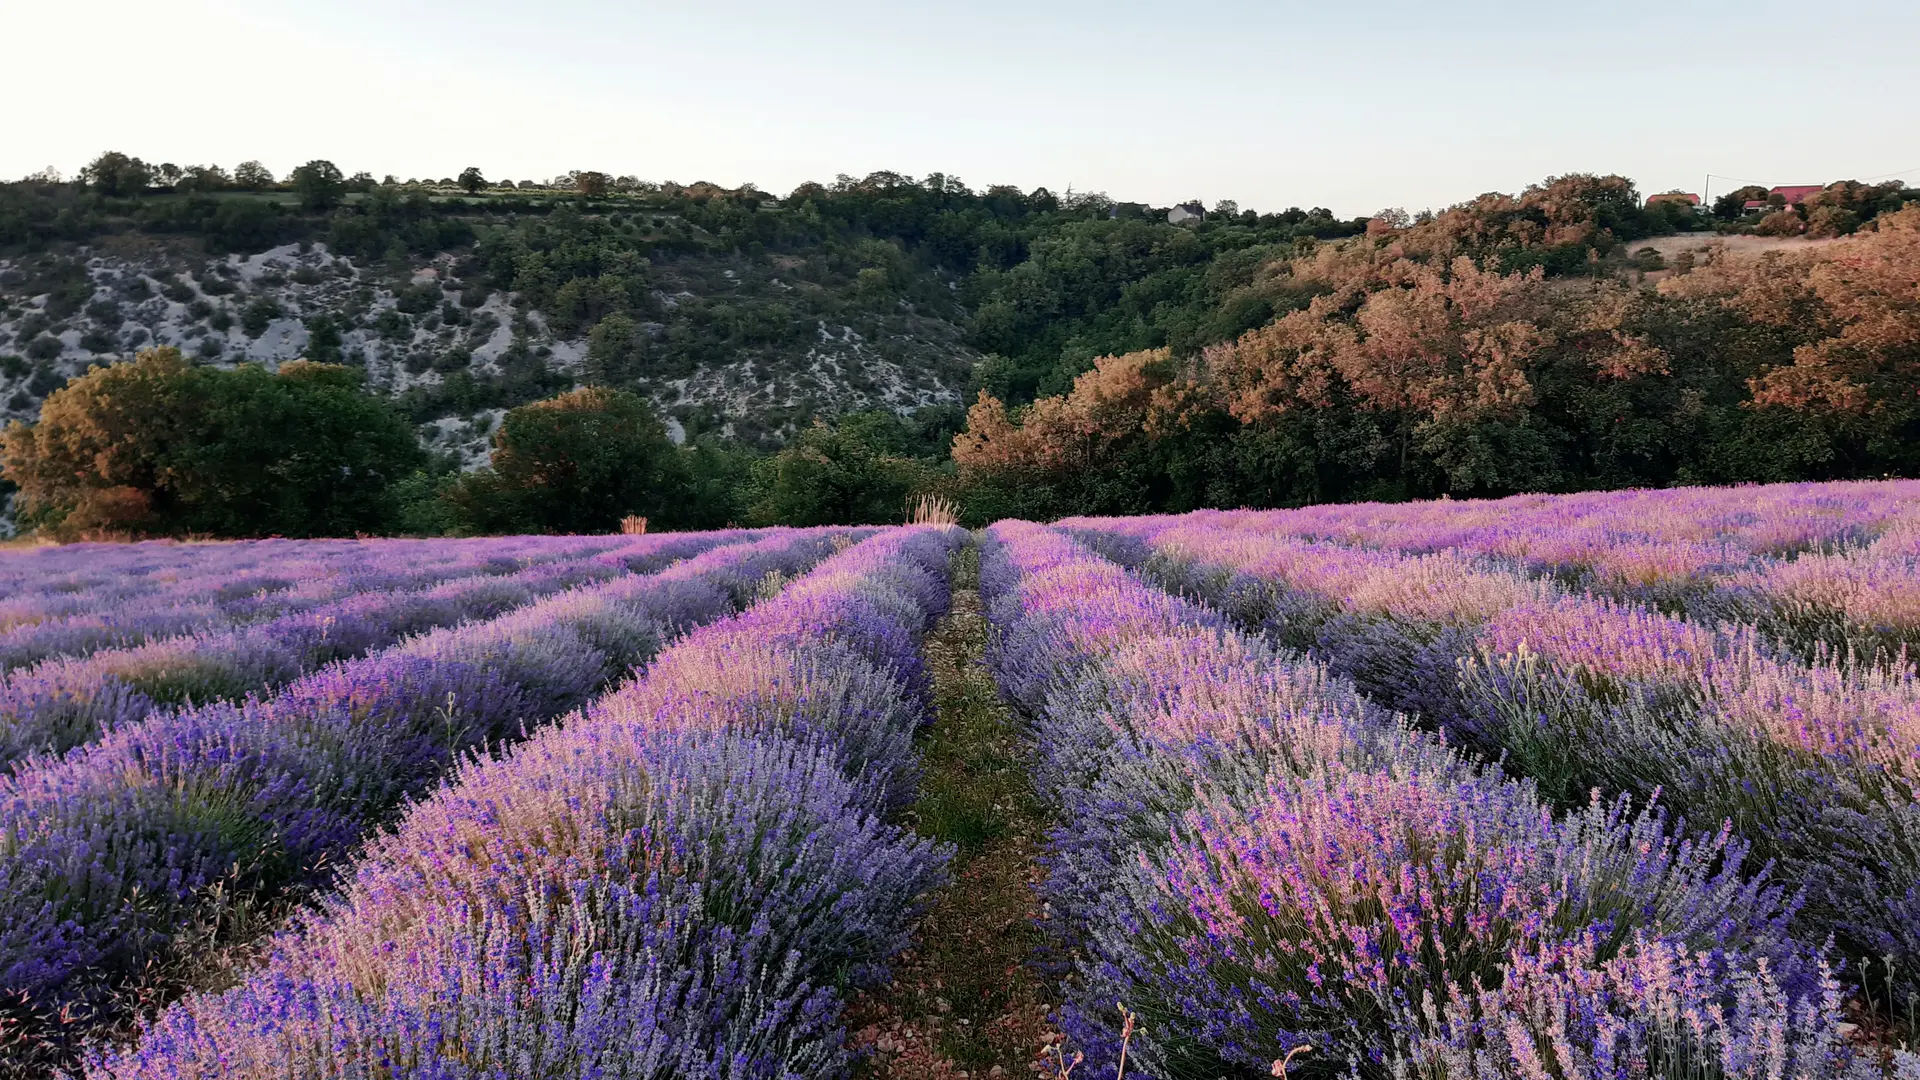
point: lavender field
(1597, 786)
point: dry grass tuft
(934, 510)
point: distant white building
(1186, 212)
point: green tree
(252, 176)
(323, 339)
(851, 472)
(163, 447)
(1731, 205)
(203, 178)
(114, 173)
(257, 316)
(613, 350)
(472, 180)
(717, 479)
(591, 184)
(422, 505)
(576, 463)
(319, 185)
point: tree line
(1418, 366)
(164, 446)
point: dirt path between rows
(967, 1000)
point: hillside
(732, 311)
(459, 352)
(727, 344)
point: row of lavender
(107, 852)
(1816, 762)
(674, 883)
(124, 565)
(48, 582)
(246, 579)
(217, 597)
(1819, 565)
(1611, 530)
(1256, 859)
(130, 566)
(67, 701)
(1608, 528)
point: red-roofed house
(1790, 194)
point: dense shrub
(160, 446)
(579, 462)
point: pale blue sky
(1351, 105)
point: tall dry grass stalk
(934, 510)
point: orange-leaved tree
(1431, 342)
(1122, 397)
(1852, 307)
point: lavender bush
(1816, 762)
(1254, 858)
(111, 848)
(672, 884)
(62, 703)
(1816, 565)
(246, 579)
(219, 593)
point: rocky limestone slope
(424, 334)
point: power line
(1711, 177)
(1707, 190)
(1862, 179)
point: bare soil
(1739, 245)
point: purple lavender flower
(1813, 757)
(1254, 858)
(62, 703)
(673, 883)
(267, 793)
